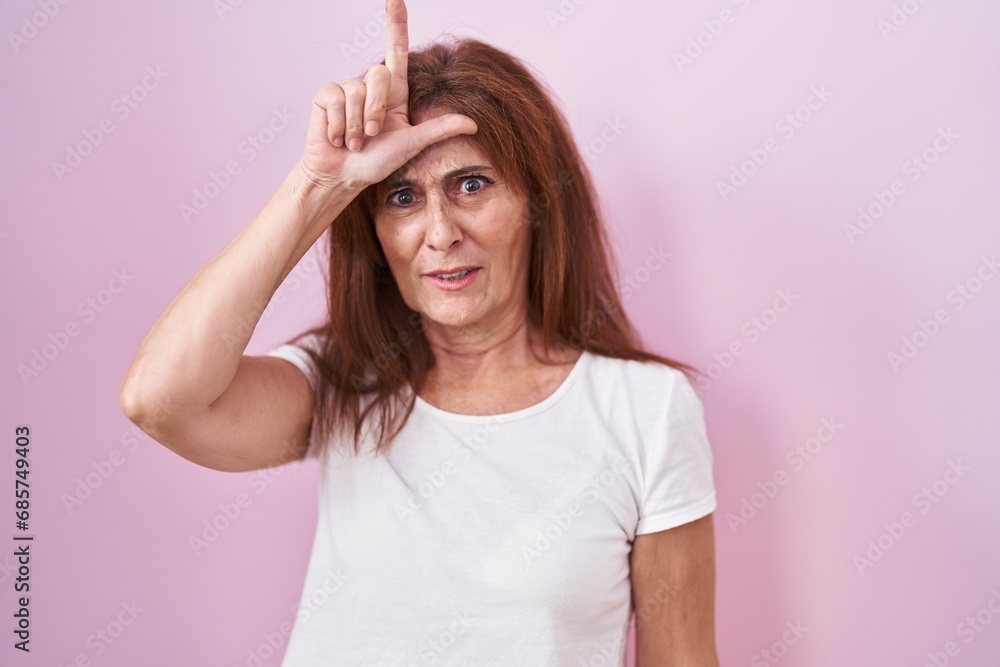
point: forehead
(440, 158)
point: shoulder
(635, 376)
(311, 340)
(647, 388)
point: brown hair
(373, 347)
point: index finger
(397, 40)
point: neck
(465, 356)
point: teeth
(454, 276)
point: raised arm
(190, 385)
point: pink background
(671, 133)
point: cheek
(515, 235)
(392, 243)
(400, 250)
(504, 224)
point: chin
(451, 316)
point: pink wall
(836, 101)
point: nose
(442, 231)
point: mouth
(456, 273)
(456, 278)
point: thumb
(438, 129)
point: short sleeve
(296, 354)
(678, 484)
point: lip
(453, 285)
(457, 268)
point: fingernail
(371, 128)
(338, 142)
(354, 144)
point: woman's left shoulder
(639, 391)
(635, 369)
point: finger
(354, 113)
(397, 39)
(377, 81)
(437, 129)
(327, 115)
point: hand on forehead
(439, 159)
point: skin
(673, 589)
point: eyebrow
(464, 171)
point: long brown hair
(373, 347)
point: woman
(545, 478)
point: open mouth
(458, 275)
(454, 280)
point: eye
(472, 184)
(400, 198)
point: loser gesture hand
(360, 132)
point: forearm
(192, 352)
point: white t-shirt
(501, 540)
